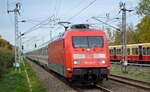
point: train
(136, 53)
(80, 54)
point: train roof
(132, 45)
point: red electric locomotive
(79, 54)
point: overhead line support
(17, 45)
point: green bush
(6, 60)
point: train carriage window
(134, 51)
(120, 51)
(44, 51)
(144, 51)
(148, 50)
(114, 51)
(128, 50)
(41, 51)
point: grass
(36, 83)
(13, 82)
(16, 82)
(135, 72)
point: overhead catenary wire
(77, 5)
(39, 25)
(55, 8)
(106, 23)
(32, 28)
(77, 14)
(58, 8)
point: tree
(117, 38)
(143, 28)
(5, 44)
(131, 36)
(143, 7)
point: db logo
(89, 62)
(89, 56)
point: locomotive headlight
(101, 61)
(76, 62)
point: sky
(35, 11)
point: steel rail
(132, 64)
(143, 82)
(103, 88)
(129, 81)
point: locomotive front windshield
(87, 41)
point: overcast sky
(34, 11)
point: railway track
(132, 64)
(103, 88)
(97, 88)
(78, 89)
(131, 82)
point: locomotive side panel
(56, 57)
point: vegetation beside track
(35, 82)
(13, 81)
(6, 60)
(134, 72)
(6, 56)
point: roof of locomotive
(76, 27)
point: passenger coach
(79, 54)
(137, 53)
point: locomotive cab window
(87, 41)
